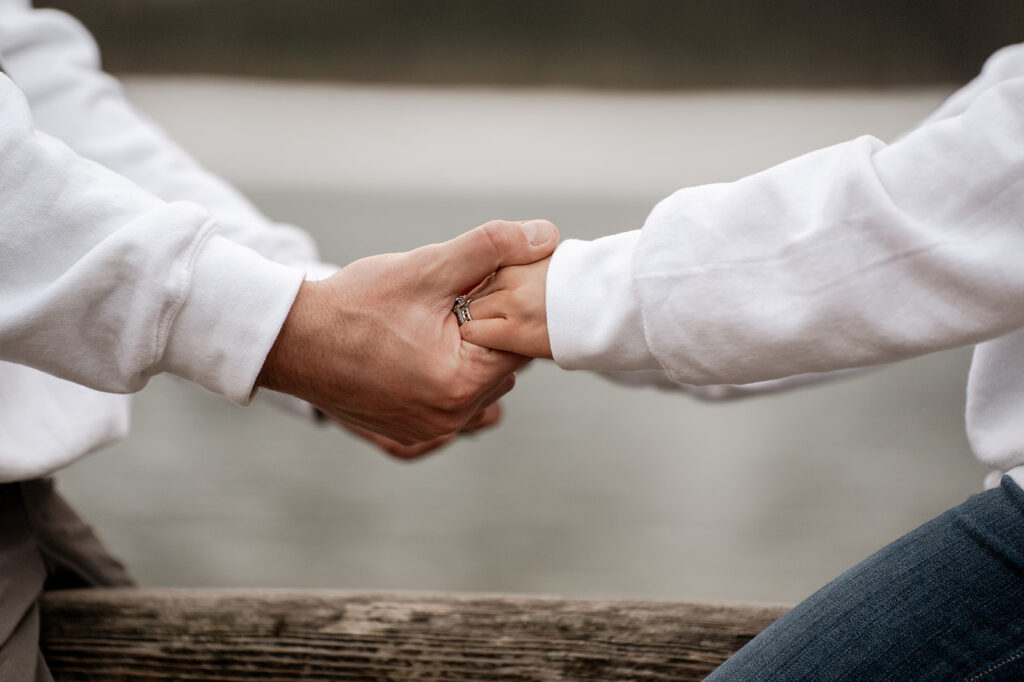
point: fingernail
(538, 231)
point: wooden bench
(167, 634)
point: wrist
(290, 357)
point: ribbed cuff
(286, 403)
(236, 305)
(594, 318)
(319, 271)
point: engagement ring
(461, 310)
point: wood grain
(317, 635)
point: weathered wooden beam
(315, 635)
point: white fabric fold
(230, 319)
(594, 317)
(110, 271)
(851, 256)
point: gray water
(586, 488)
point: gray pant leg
(22, 576)
(24, 647)
(43, 545)
(74, 556)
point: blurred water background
(586, 488)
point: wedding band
(461, 310)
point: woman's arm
(851, 256)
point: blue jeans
(945, 602)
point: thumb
(474, 255)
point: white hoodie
(119, 257)
(854, 255)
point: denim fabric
(945, 602)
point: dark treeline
(597, 43)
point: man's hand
(511, 313)
(376, 345)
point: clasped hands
(376, 348)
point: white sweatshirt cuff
(594, 318)
(320, 271)
(235, 307)
(289, 404)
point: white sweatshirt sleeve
(851, 256)
(56, 64)
(104, 284)
(600, 326)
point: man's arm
(104, 284)
(56, 64)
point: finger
(489, 416)
(498, 333)
(387, 443)
(487, 367)
(482, 288)
(393, 447)
(407, 452)
(490, 306)
(484, 417)
(473, 256)
(496, 393)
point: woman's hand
(511, 313)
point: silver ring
(461, 310)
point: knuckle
(496, 235)
(426, 253)
(424, 261)
(494, 225)
(459, 396)
(439, 378)
(445, 422)
(455, 421)
(447, 403)
(462, 399)
(519, 299)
